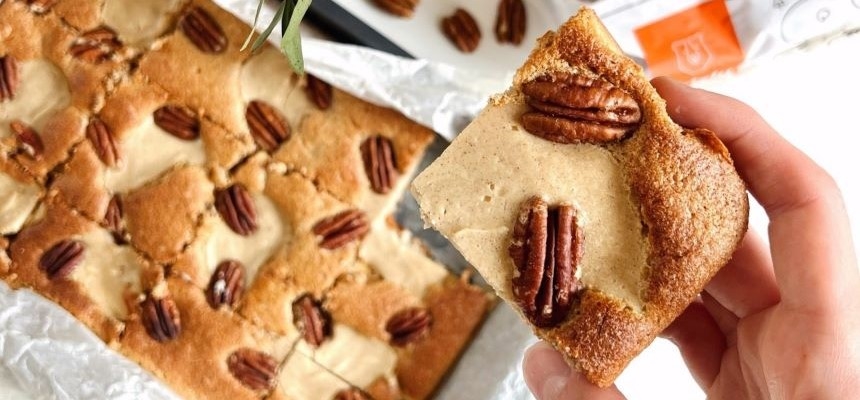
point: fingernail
(547, 372)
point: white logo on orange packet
(692, 54)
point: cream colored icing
(148, 151)
(138, 23)
(379, 207)
(43, 90)
(473, 193)
(354, 357)
(302, 379)
(17, 201)
(267, 76)
(252, 251)
(399, 261)
(107, 272)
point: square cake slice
(583, 204)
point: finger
(725, 319)
(811, 244)
(746, 285)
(550, 378)
(700, 341)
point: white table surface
(806, 96)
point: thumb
(550, 378)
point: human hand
(778, 323)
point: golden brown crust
(195, 363)
(326, 148)
(58, 223)
(79, 183)
(49, 38)
(458, 308)
(163, 215)
(693, 205)
(209, 83)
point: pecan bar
(79, 265)
(591, 212)
(361, 153)
(175, 334)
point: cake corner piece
(583, 204)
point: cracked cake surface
(212, 215)
(583, 204)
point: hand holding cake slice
(583, 204)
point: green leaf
(261, 40)
(291, 43)
(253, 28)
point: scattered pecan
(462, 30)
(253, 368)
(342, 228)
(268, 127)
(570, 108)
(112, 220)
(178, 121)
(380, 163)
(59, 261)
(311, 320)
(319, 92)
(40, 6)
(226, 285)
(237, 209)
(203, 31)
(160, 317)
(31, 143)
(9, 78)
(96, 46)
(511, 22)
(351, 394)
(546, 248)
(400, 8)
(103, 141)
(409, 325)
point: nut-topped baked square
(583, 204)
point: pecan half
(178, 121)
(462, 30)
(59, 261)
(319, 92)
(511, 22)
(570, 108)
(31, 143)
(112, 220)
(342, 228)
(203, 31)
(237, 209)
(546, 248)
(400, 8)
(40, 6)
(103, 141)
(380, 163)
(268, 127)
(96, 46)
(9, 77)
(351, 394)
(160, 317)
(311, 320)
(253, 368)
(226, 285)
(409, 325)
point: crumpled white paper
(52, 355)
